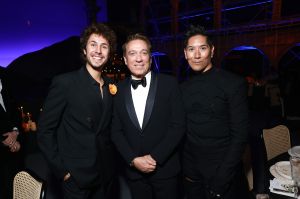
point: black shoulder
(66, 79)
(229, 77)
(65, 76)
(166, 78)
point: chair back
(26, 186)
(277, 140)
(248, 166)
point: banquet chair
(26, 186)
(248, 167)
(277, 140)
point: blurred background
(256, 39)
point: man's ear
(212, 52)
(125, 60)
(184, 51)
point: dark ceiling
(156, 17)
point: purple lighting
(28, 27)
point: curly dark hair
(99, 29)
(136, 36)
(197, 30)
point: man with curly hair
(74, 126)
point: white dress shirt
(139, 98)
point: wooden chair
(248, 167)
(25, 186)
(277, 140)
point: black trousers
(72, 191)
(238, 189)
(146, 188)
(9, 166)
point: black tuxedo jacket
(163, 126)
(73, 128)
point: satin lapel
(5, 98)
(2, 109)
(130, 106)
(150, 99)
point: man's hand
(15, 147)
(11, 138)
(145, 164)
(67, 176)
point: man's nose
(99, 49)
(197, 53)
(138, 57)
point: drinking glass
(295, 168)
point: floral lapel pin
(112, 89)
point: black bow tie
(136, 83)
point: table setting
(286, 175)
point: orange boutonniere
(112, 89)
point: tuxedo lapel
(130, 106)
(5, 98)
(150, 99)
(4, 101)
(2, 111)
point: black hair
(136, 36)
(197, 30)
